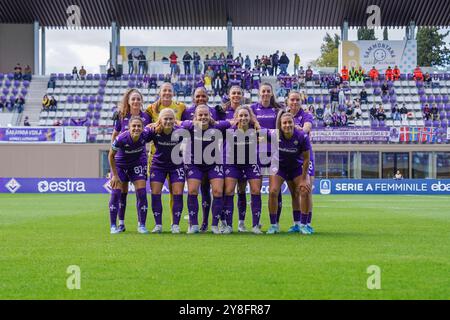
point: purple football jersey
(290, 150)
(243, 146)
(188, 113)
(130, 153)
(267, 117)
(220, 126)
(121, 125)
(303, 117)
(162, 158)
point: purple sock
(228, 206)
(122, 205)
(142, 205)
(303, 218)
(309, 217)
(256, 209)
(177, 208)
(297, 215)
(206, 202)
(157, 208)
(242, 205)
(193, 209)
(114, 206)
(217, 206)
(280, 206)
(273, 218)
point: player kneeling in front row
(290, 165)
(128, 162)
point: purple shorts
(133, 173)
(176, 174)
(287, 174)
(242, 172)
(311, 167)
(198, 171)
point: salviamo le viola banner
(31, 135)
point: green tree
(366, 34)
(431, 47)
(329, 52)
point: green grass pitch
(408, 237)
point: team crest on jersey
(296, 142)
(152, 175)
(127, 145)
(227, 171)
(190, 173)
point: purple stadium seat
(70, 99)
(89, 115)
(102, 83)
(60, 76)
(7, 83)
(140, 77)
(87, 123)
(89, 76)
(99, 99)
(84, 99)
(92, 99)
(385, 99)
(391, 91)
(423, 99)
(125, 77)
(410, 77)
(182, 77)
(445, 99)
(421, 91)
(95, 123)
(104, 76)
(318, 100)
(132, 77)
(12, 99)
(26, 83)
(377, 91)
(442, 115)
(15, 91)
(24, 91)
(98, 107)
(96, 115)
(382, 124)
(447, 107)
(5, 91)
(403, 76)
(91, 107)
(16, 83)
(198, 77)
(436, 123)
(390, 84)
(91, 138)
(375, 84)
(77, 99)
(68, 76)
(430, 99)
(53, 76)
(97, 76)
(10, 76)
(65, 122)
(101, 91)
(419, 84)
(2, 76)
(448, 115)
(326, 99)
(444, 123)
(131, 84)
(393, 99)
(190, 77)
(438, 98)
(447, 76)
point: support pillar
(230, 37)
(344, 31)
(43, 51)
(36, 48)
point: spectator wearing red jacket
(418, 75)
(173, 62)
(374, 74)
(344, 74)
(396, 73)
(389, 74)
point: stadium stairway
(33, 103)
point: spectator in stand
(296, 63)
(334, 98)
(404, 112)
(269, 66)
(358, 112)
(373, 112)
(418, 75)
(196, 63)
(380, 115)
(284, 63)
(344, 74)
(395, 114)
(247, 63)
(360, 74)
(26, 122)
(111, 73)
(82, 73)
(187, 58)
(335, 120)
(275, 62)
(222, 56)
(18, 72)
(327, 114)
(210, 72)
(208, 83)
(363, 96)
(396, 73)
(384, 88)
(75, 75)
(239, 59)
(57, 123)
(343, 121)
(2, 106)
(374, 74)
(18, 103)
(308, 74)
(434, 112)
(319, 112)
(130, 63)
(398, 175)
(389, 74)
(218, 86)
(142, 63)
(53, 103)
(353, 74)
(173, 62)
(229, 56)
(27, 72)
(45, 103)
(341, 95)
(257, 63)
(427, 112)
(351, 111)
(427, 80)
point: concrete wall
(16, 46)
(53, 161)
